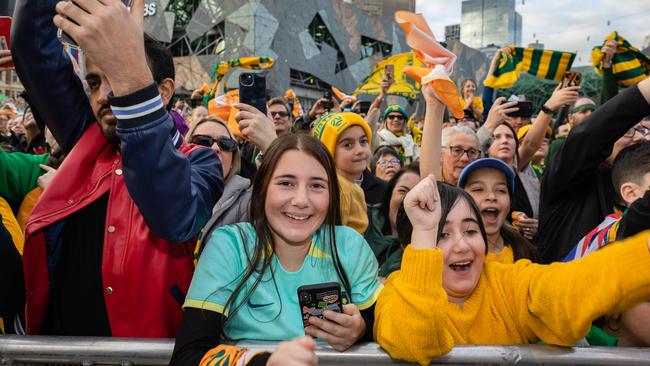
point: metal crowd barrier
(87, 351)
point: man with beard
(109, 245)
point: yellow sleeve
(558, 302)
(354, 212)
(12, 226)
(411, 312)
(478, 106)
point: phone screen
(65, 38)
(389, 72)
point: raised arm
(431, 145)
(411, 313)
(175, 193)
(535, 136)
(47, 72)
(558, 302)
(590, 143)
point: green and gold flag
(402, 86)
(629, 65)
(544, 64)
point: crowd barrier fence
(88, 351)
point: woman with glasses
(233, 205)
(386, 163)
(395, 134)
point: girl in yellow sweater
(447, 294)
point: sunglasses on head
(224, 143)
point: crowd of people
(127, 212)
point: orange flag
(439, 60)
(297, 108)
(222, 107)
(341, 95)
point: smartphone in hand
(571, 78)
(252, 90)
(389, 72)
(5, 30)
(327, 101)
(315, 299)
(65, 37)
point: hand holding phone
(65, 37)
(319, 304)
(328, 104)
(252, 90)
(5, 29)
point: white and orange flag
(438, 61)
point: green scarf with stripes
(544, 64)
(629, 65)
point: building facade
(452, 32)
(315, 43)
(490, 22)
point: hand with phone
(499, 113)
(6, 61)
(339, 330)
(563, 96)
(111, 35)
(255, 126)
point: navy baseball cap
(488, 163)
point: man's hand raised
(111, 35)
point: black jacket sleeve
(200, 332)
(636, 219)
(590, 143)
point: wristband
(547, 110)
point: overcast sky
(562, 25)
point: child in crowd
(446, 293)
(491, 183)
(347, 138)
(245, 285)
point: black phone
(315, 299)
(252, 90)
(328, 104)
(525, 109)
(65, 37)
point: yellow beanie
(328, 128)
(524, 130)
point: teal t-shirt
(272, 312)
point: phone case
(5, 29)
(571, 78)
(252, 90)
(315, 299)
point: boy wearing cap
(395, 133)
(347, 138)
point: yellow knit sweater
(505, 256)
(512, 304)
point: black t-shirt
(77, 306)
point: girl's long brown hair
(259, 260)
